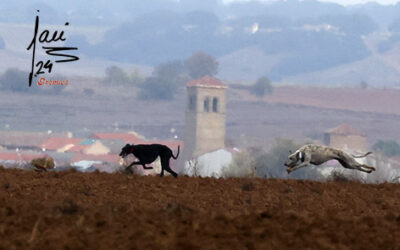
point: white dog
(316, 155)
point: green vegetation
(117, 76)
(388, 148)
(2, 44)
(166, 78)
(262, 87)
(201, 64)
(241, 166)
(363, 85)
(164, 82)
(269, 164)
(154, 88)
(17, 81)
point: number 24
(48, 65)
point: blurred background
(296, 72)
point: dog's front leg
(144, 166)
(301, 165)
(129, 168)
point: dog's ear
(300, 156)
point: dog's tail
(177, 154)
(362, 156)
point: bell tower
(205, 117)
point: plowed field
(71, 210)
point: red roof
(128, 138)
(77, 148)
(55, 143)
(102, 158)
(206, 81)
(346, 129)
(13, 156)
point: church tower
(205, 117)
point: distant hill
(288, 41)
(378, 69)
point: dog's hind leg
(162, 171)
(363, 170)
(355, 166)
(345, 164)
(165, 165)
(172, 172)
(368, 167)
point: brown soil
(71, 210)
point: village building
(205, 116)
(347, 138)
(60, 144)
(205, 128)
(114, 146)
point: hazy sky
(343, 2)
(349, 2)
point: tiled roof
(77, 148)
(346, 129)
(206, 81)
(55, 143)
(87, 142)
(115, 146)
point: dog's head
(293, 159)
(126, 150)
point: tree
(15, 80)
(388, 148)
(242, 166)
(2, 43)
(395, 26)
(170, 71)
(154, 88)
(116, 75)
(271, 163)
(88, 91)
(363, 85)
(261, 87)
(164, 82)
(136, 77)
(201, 64)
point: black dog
(147, 154)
